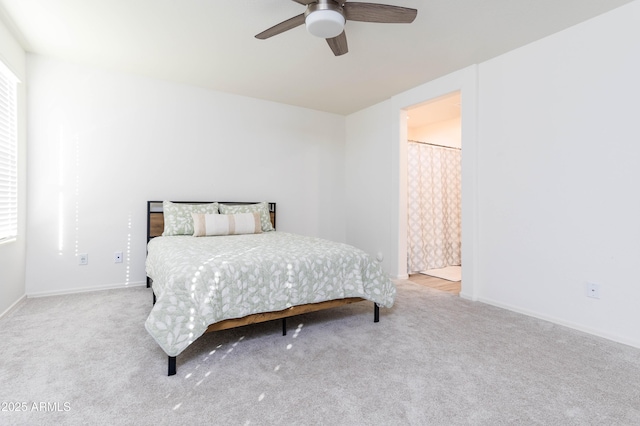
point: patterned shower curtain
(434, 207)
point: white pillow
(262, 208)
(226, 224)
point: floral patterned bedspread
(200, 281)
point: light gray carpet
(433, 359)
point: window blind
(8, 154)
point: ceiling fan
(326, 19)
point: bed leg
(172, 366)
(376, 312)
(284, 326)
(149, 281)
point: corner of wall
(13, 254)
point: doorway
(434, 193)
(465, 82)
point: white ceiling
(210, 43)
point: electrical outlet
(83, 259)
(593, 290)
(117, 257)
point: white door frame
(465, 81)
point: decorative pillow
(226, 224)
(177, 216)
(262, 208)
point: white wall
(369, 181)
(559, 172)
(12, 254)
(550, 183)
(101, 144)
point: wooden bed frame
(155, 227)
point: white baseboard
(466, 296)
(10, 308)
(86, 289)
(564, 323)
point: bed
(219, 265)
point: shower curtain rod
(435, 144)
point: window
(8, 155)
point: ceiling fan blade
(383, 13)
(338, 44)
(282, 27)
(305, 2)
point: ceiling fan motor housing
(324, 19)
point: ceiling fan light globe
(325, 23)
